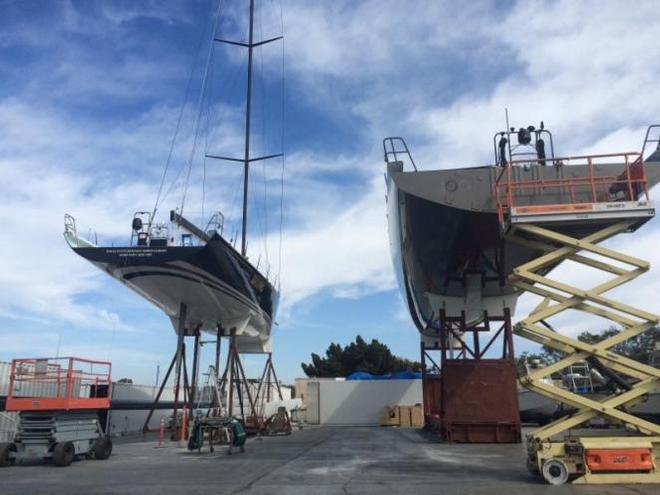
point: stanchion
(184, 421)
(161, 434)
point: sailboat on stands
(195, 274)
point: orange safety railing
(56, 384)
(627, 186)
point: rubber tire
(102, 448)
(63, 454)
(5, 449)
(555, 472)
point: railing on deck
(627, 186)
(58, 384)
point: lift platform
(569, 219)
(58, 401)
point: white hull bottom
(229, 308)
(474, 308)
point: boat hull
(446, 242)
(220, 290)
(447, 258)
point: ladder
(211, 393)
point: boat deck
(318, 460)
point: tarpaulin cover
(399, 375)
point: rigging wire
(206, 144)
(282, 148)
(176, 132)
(200, 101)
(174, 183)
(263, 145)
(206, 141)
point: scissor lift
(58, 401)
(573, 230)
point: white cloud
(427, 70)
(346, 249)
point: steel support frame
(457, 416)
(559, 297)
(234, 378)
(178, 364)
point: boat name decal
(135, 253)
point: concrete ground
(317, 460)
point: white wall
(127, 421)
(131, 392)
(357, 402)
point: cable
(206, 140)
(263, 146)
(176, 130)
(282, 147)
(200, 101)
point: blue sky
(90, 94)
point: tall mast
(248, 109)
(246, 160)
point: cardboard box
(404, 414)
(417, 416)
(390, 416)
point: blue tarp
(400, 375)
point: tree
(639, 348)
(375, 358)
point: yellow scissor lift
(573, 231)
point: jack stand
(583, 459)
(469, 398)
(178, 364)
(251, 414)
(237, 384)
(278, 423)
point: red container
(476, 401)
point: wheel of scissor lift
(555, 472)
(63, 454)
(102, 448)
(5, 451)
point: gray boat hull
(446, 242)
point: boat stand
(239, 387)
(246, 398)
(625, 458)
(178, 364)
(468, 397)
